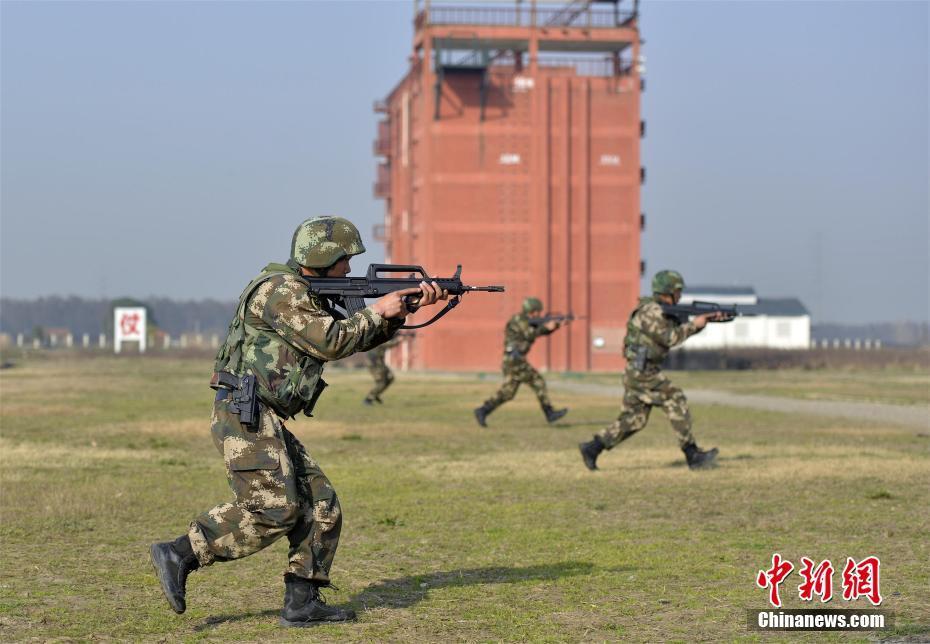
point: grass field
(451, 532)
(896, 385)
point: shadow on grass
(581, 423)
(406, 591)
(681, 463)
(215, 620)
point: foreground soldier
(380, 372)
(277, 344)
(649, 336)
(519, 335)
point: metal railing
(382, 147)
(382, 144)
(589, 17)
(381, 189)
(382, 185)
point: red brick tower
(512, 147)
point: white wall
(760, 331)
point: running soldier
(268, 369)
(649, 337)
(380, 372)
(519, 335)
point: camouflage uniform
(380, 372)
(283, 335)
(519, 336)
(650, 335)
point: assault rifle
(552, 317)
(682, 312)
(353, 291)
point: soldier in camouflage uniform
(650, 334)
(280, 338)
(519, 335)
(380, 372)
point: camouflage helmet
(322, 241)
(532, 304)
(667, 282)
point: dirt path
(910, 415)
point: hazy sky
(170, 148)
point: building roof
(777, 306)
(741, 295)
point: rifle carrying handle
(375, 269)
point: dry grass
(452, 532)
(896, 385)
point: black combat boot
(368, 401)
(304, 606)
(481, 413)
(173, 561)
(553, 415)
(698, 458)
(590, 451)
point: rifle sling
(449, 306)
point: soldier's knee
(508, 391)
(678, 405)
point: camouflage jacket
(283, 334)
(376, 356)
(652, 332)
(519, 336)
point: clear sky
(170, 148)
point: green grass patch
(452, 532)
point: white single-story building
(768, 323)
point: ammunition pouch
(643, 359)
(317, 390)
(639, 358)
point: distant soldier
(268, 369)
(649, 336)
(380, 372)
(519, 335)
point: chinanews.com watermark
(860, 579)
(819, 619)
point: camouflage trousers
(278, 490)
(642, 393)
(383, 378)
(516, 372)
